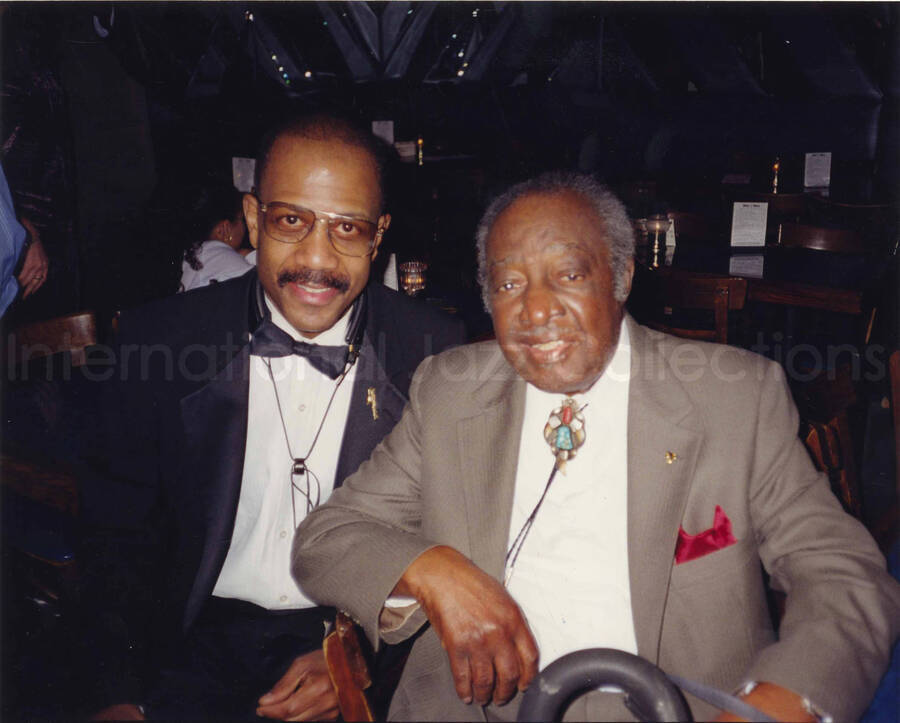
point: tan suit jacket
(446, 475)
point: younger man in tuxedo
(235, 410)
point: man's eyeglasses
(291, 224)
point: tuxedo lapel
(488, 450)
(214, 419)
(378, 397)
(663, 444)
(376, 405)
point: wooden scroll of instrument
(348, 670)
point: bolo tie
(564, 433)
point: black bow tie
(270, 341)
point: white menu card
(242, 170)
(747, 265)
(748, 223)
(817, 170)
(383, 129)
(670, 235)
(390, 274)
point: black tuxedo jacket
(159, 520)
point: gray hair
(609, 209)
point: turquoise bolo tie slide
(564, 431)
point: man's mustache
(314, 277)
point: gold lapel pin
(671, 457)
(372, 402)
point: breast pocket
(729, 562)
(716, 615)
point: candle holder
(657, 225)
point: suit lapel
(214, 419)
(488, 449)
(376, 402)
(661, 423)
(376, 405)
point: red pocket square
(690, 547)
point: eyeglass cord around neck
(298, 464)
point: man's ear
(384, 222)
(251, 216)
(629, 276)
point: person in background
(14, 237)
(34, 265)
(216, 231)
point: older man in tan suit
(646, 535)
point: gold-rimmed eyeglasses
(291, 224)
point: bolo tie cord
(513, 553)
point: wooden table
(810, 296)
(794, 280)
(791, 277)
(53, 485)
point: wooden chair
(820, 238)
(895, 408)
(783, 207)
(877, 224)
(694, 228)
(40, 498)
(885, 528)
(825, 406)
(72, 333)
(832, 240)
(348, 670)
(659, 294)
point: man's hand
(120, 711)
(304, 692)
(491, 649)
(779, 703)
(34, 270)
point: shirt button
(283, 534)
(283, 598)
(302, 407)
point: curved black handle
(651, 695)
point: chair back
(660, 294)
(348, 670)
(877, 224)
(819, 238)
(72, 333)
(782, 206)
(693, 228)
(895, 408)
(826, 405)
